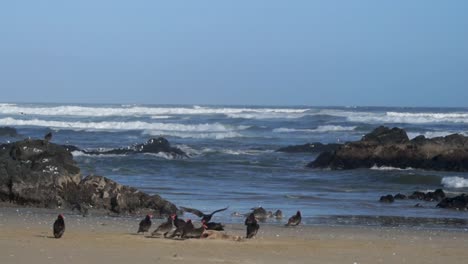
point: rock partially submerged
(392, 147)
(153, 145)
(315, 147)
(437, 195)
(44, 174)
(459, 202)
(8, 132)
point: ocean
(232, 158)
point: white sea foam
(404, 117)
(319, 129)
(131, 110)
(433, 134)
(78, 153)
(161, 117)
(113, 125)
(388, 168)
(197, 135)
(454, 182)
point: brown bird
(295, 219)
(191, 232)
(164, 228)
(205, 217)
(59, 226)
(252, 225)
(145, 224)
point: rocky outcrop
(43, 174)
(391, 147)
(37, 173)
(103, 193)
(315, 147)
(154, 145)
(8, 132)
(437, 195)
(459, 202)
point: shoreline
(25, 237)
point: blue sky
(367, 52)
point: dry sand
(25, 237)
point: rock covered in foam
(8, 132)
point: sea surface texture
(232, 159)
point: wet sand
(26, 237)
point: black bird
(178, 222)
(48, 137)
(191, 232)
(252, 225)
(214, 226)
(188, 227)
(164, 228)
(205, 217)
(295, 219)
(145, 224)
(59, 226)
(180, 225)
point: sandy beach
(26, 238)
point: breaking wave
(454, 182)
(319, 129)
(114, 125)
(155, 112)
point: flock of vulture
(178, 228)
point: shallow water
(233, 160)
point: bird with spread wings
(205, 217)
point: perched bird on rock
(48, 137)
(252, 225)
(295, 219)
(59, 226)
(145, 224)
(205, 217)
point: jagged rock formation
(391, 147)
(44, 174)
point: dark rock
(154, 145)
(399, 196)
(44, 174)
(103, 193)
(391, 147)
(417, 195)
(35, 173)
(315, 147)
(387, 199)
(8, 132)
(458, 202)
(437, 195)
(384, 135)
